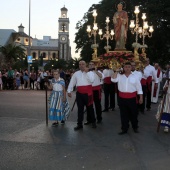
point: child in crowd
(59, 107)
(18, 81)
(37, 84)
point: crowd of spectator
(20, 79)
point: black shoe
(148, 109)
(136, 130)
(142, 112)
(111, 108)
(87, 123)
(122, 132)
(55, 124)
(62, 122)
(78, 127)
(99, 121)
(105, 110)
(94, 125)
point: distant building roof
(64, 9)
(44, 48)
(5, 35)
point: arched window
(63, 27)
(44, 55)
(34, 55)
(54, 55)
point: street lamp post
(29, 45)
(94, 33)
(107, 35)
(142, 32)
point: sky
(44, 16)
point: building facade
(47, 48)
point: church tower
(63, 35)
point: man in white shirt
(83, 80)
(155, 91)
(152, 77)
(109, 90)
(96, 86)
(129, 86)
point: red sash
(149, 81)
(143, 81)
(155, 88)
(97, 88)
(86, 90)
(127, 95)
(158, 73)
(107, 80)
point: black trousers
(82, 100)
(148, 95)
(142, 106)
(31, 83)
(109, 93)
(42, 84)
(98, 107)
(128, 112)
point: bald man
(83, 80)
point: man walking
(129, 86)
(83, 80)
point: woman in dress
(165, 118)
(59, 107)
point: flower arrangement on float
(120, 57)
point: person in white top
(96, 86)
(109, 90)
(138, 74)
(83, 80)
(152, 77)
(129, 86)
(155, 91)
(145, 75)
(58, 107)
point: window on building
(44, 55)
(63, 27)
(34, 55)
(54, 55)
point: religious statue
(136, 54)
(120, 20)
(143, 53)
(94, 55)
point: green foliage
(158, 15)
(12, 53)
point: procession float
(115, 59)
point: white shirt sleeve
(90, 76)
(116, 79)
(72, 83)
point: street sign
(29, 59)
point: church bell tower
(63, 35)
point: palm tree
(11, 53)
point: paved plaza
(26, 143)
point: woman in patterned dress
(58, 105)
(165, 118)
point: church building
(48, 48)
